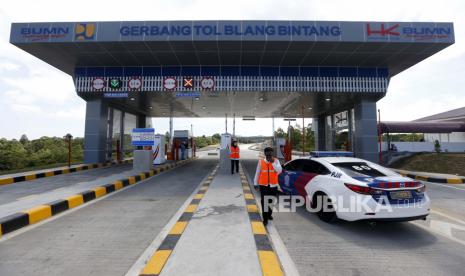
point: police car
(336, 185)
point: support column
(320, 135)
(141, 121)
(365, 134)
(109, 139)
(171, 132)
(95, 133)
(350, 120)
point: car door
(288, 177)
(309, 170)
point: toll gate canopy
(331, 71)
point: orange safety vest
(268, 176)
(234, 153)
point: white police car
(353, 188)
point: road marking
(269, 261)
(143, 259)
(70, 210)
(153, 262)
(439, 228)
(447, 216)
(27, 197)
(288, 265)
(445, 186)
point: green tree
(12, 155)
(23, 140)
(216, 138)
(437, 146)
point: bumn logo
(383, 31)
(84, 31)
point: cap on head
(268, 149)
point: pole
(379, 138)
(171, 130)
(234, 124)
(303, 132)
(274, 135)
(69, 152)
(226, 122)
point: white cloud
(73, 113)
(9, 66)
(26, 108)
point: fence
(426, 146)
(248, 83)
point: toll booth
(159, 149)
(280, 144)
(183, 137)
(225, 146)
(226, 141)
(143, 139)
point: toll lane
(25, 189)
(106, 237)
(358, 248)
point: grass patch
(450, 163)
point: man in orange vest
(266, 178)
(234, 156)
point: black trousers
(269, 194)
(234, 163)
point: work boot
(265, 222)
(270, 217)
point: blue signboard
(143, 136)
(233, 30)
(115, 95)
(188, 94)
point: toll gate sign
(143, 136)
(188, 83)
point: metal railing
(248, 83)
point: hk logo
(383, 31)
(84, 31)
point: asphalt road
(358, 248)
(15, 191)
(107, 236)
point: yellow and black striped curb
(269, 261)
(157, 261)
(455, 180)
(32, 176)
(22, 219)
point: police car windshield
(358, 169)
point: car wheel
(329, 214)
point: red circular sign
(135, 83)
(170, 83)
(98, 83)
(207, 83)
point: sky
(38, 100)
